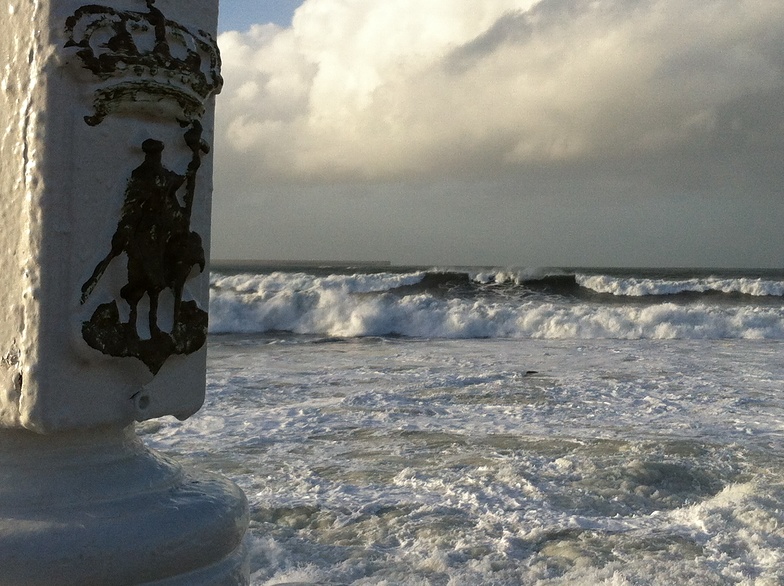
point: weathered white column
(105, 183)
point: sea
(497, 426)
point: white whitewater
(394, 461)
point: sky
(515, 133)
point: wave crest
(635, 287)
(452, 305)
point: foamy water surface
(389, 460)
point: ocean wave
(506, 283)
(388, 304)
(641, 287)
(278, 281)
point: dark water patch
(435, 440)
(506, 444)
(508, 398)
(612, 488)
(295, 517)
(563, 550)
(438, 284)
(554, 285)
(662, 546)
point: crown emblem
(144, 62)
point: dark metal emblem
(154, 229)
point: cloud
(358, 90)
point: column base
(98, 507)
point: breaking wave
(497, 304)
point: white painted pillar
(105, 175)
